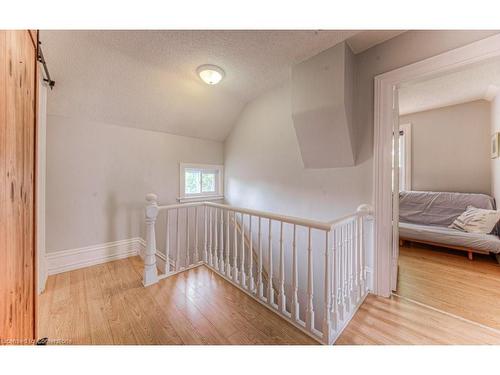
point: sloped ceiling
(475, 82)
(147, 79)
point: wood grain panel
(17, 137)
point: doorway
(441, 263)
(386, 241)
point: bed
(424, 217)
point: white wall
(264, 168)
(495, 163)
(98, 175)
(451, 148)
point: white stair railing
(317, 273)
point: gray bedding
(425, 216)
(438, 208)
(480, 242)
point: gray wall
(451, 148)
(98, 175)
(402, 50)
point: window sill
(200, 198)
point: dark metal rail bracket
(41, 59)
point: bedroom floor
(446, 280)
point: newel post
(150, 272)
(365, 209)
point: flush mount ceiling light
(210, 74)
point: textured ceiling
(367, 39)
(147, 79)
(478, 81)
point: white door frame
(384, 84)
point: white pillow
(476, 220)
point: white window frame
(405, 174)
(219, 183)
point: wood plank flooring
(447, 280)
(396, 321)
(107, 304)
(430, 280)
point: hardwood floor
(396, 321)
(447, 280)
(436, 280)
(107, 304)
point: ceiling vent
(322, 101)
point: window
(200, 181)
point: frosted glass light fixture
(210, 74)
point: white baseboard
(67, 260)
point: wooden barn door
(18, 54)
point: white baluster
(310, 279)
(205, 246)
(295, 275)
(345, 251)
(334, 276)
(177, 242)
(221, 241)
(197, 254)
(327, 297)
(281, 294)
(349, 265)
(356, 260)
(235, 250)
(210, 237)
(251, 284)
(260, 283)
(362, 262)
(188, 260)
(228, 246)
(216, 239)
(270, 289)
(341, 292)
(243, 277)
(150, 272)
(167, 243)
